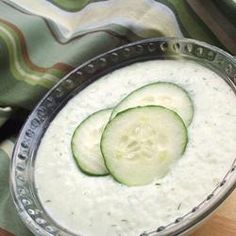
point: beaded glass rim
(23, 190)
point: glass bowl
(23, 189)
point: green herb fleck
(113, 225)
(124, 220)
(157, 184)
(47, 201)
(179, 206)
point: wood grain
(222, 222)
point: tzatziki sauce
(100, 206)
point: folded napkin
(41, 41)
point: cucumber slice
(85, 143)
(141, 143)
(164, 94)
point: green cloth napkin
(41, 41)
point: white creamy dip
(100, 206)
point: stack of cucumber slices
(138, 140)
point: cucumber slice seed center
(141, 143)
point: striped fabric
(41, 41)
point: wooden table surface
(221, 223)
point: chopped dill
(124, 220)
(179, 206)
